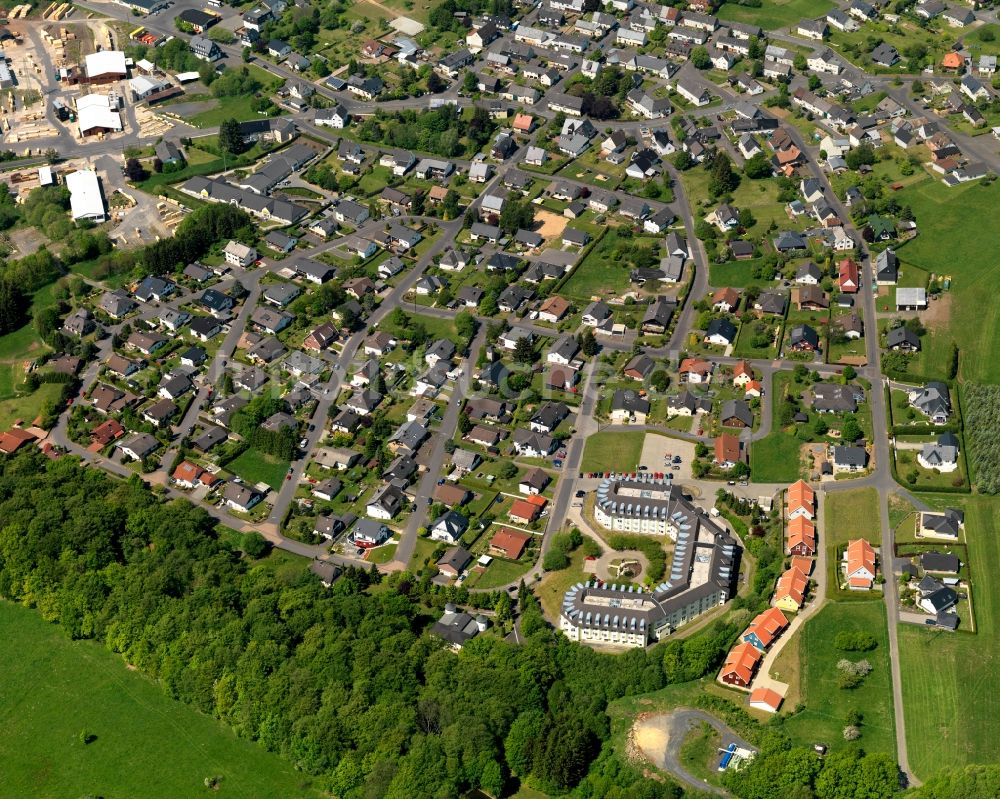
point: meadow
(952, 711)
(951, 243)
(146, 744)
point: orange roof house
(951, 60)
(859, 565)
(526, 510)
(753, 389)
(523, 123)
(790, 592)
(696, 370)
(800, 500)
(187, 474)
(554, 308)
(848, 276)
(14, 439)
(106, 432)
(727, 451)
(740, 664)
(801, 537)
(804, 565)
(509, 543)
(742, 373)
(765, 628)
(727, 298)
(766, 699)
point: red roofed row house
(743, 659)
(800, 510)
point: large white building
(95, 114)
(701, 576)
(642, 505)
(85, 198)
(107, 65)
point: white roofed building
(105, 66)
(85, 198)
(95, 115)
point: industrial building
(85, 197)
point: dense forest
(345, 682)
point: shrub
(854, 641)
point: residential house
(859, 565)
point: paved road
(445, 433)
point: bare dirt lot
(552, 225)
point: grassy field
(600, 273)
(147, 744)
(28, 406)
(826, 704)
(700, 753)
(775, 14)
(775, 459)
(499, 572)
(258, 467)
(611, 451)
(554, 585)
(950, 243)
(952, 711)
(848, 514)
(238, 107)
(737, 274)
(21, 344)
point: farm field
(147, 744)
(954, 671)
(258, 467)
(950, 244)
(826, 704)
(778, 14)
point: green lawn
(259, 467)
(11, 375)
(238, 107)
(953, 672)
(500, 572)
(848, 514)
(700, 753)
(775, 459)
(382, 554)
(604, 272)
(826, 704)
(927, 479)
(147, 744)
(950, 243)
(612, 451)
(737, 274)
(775, 13)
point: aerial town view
(466, 399)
